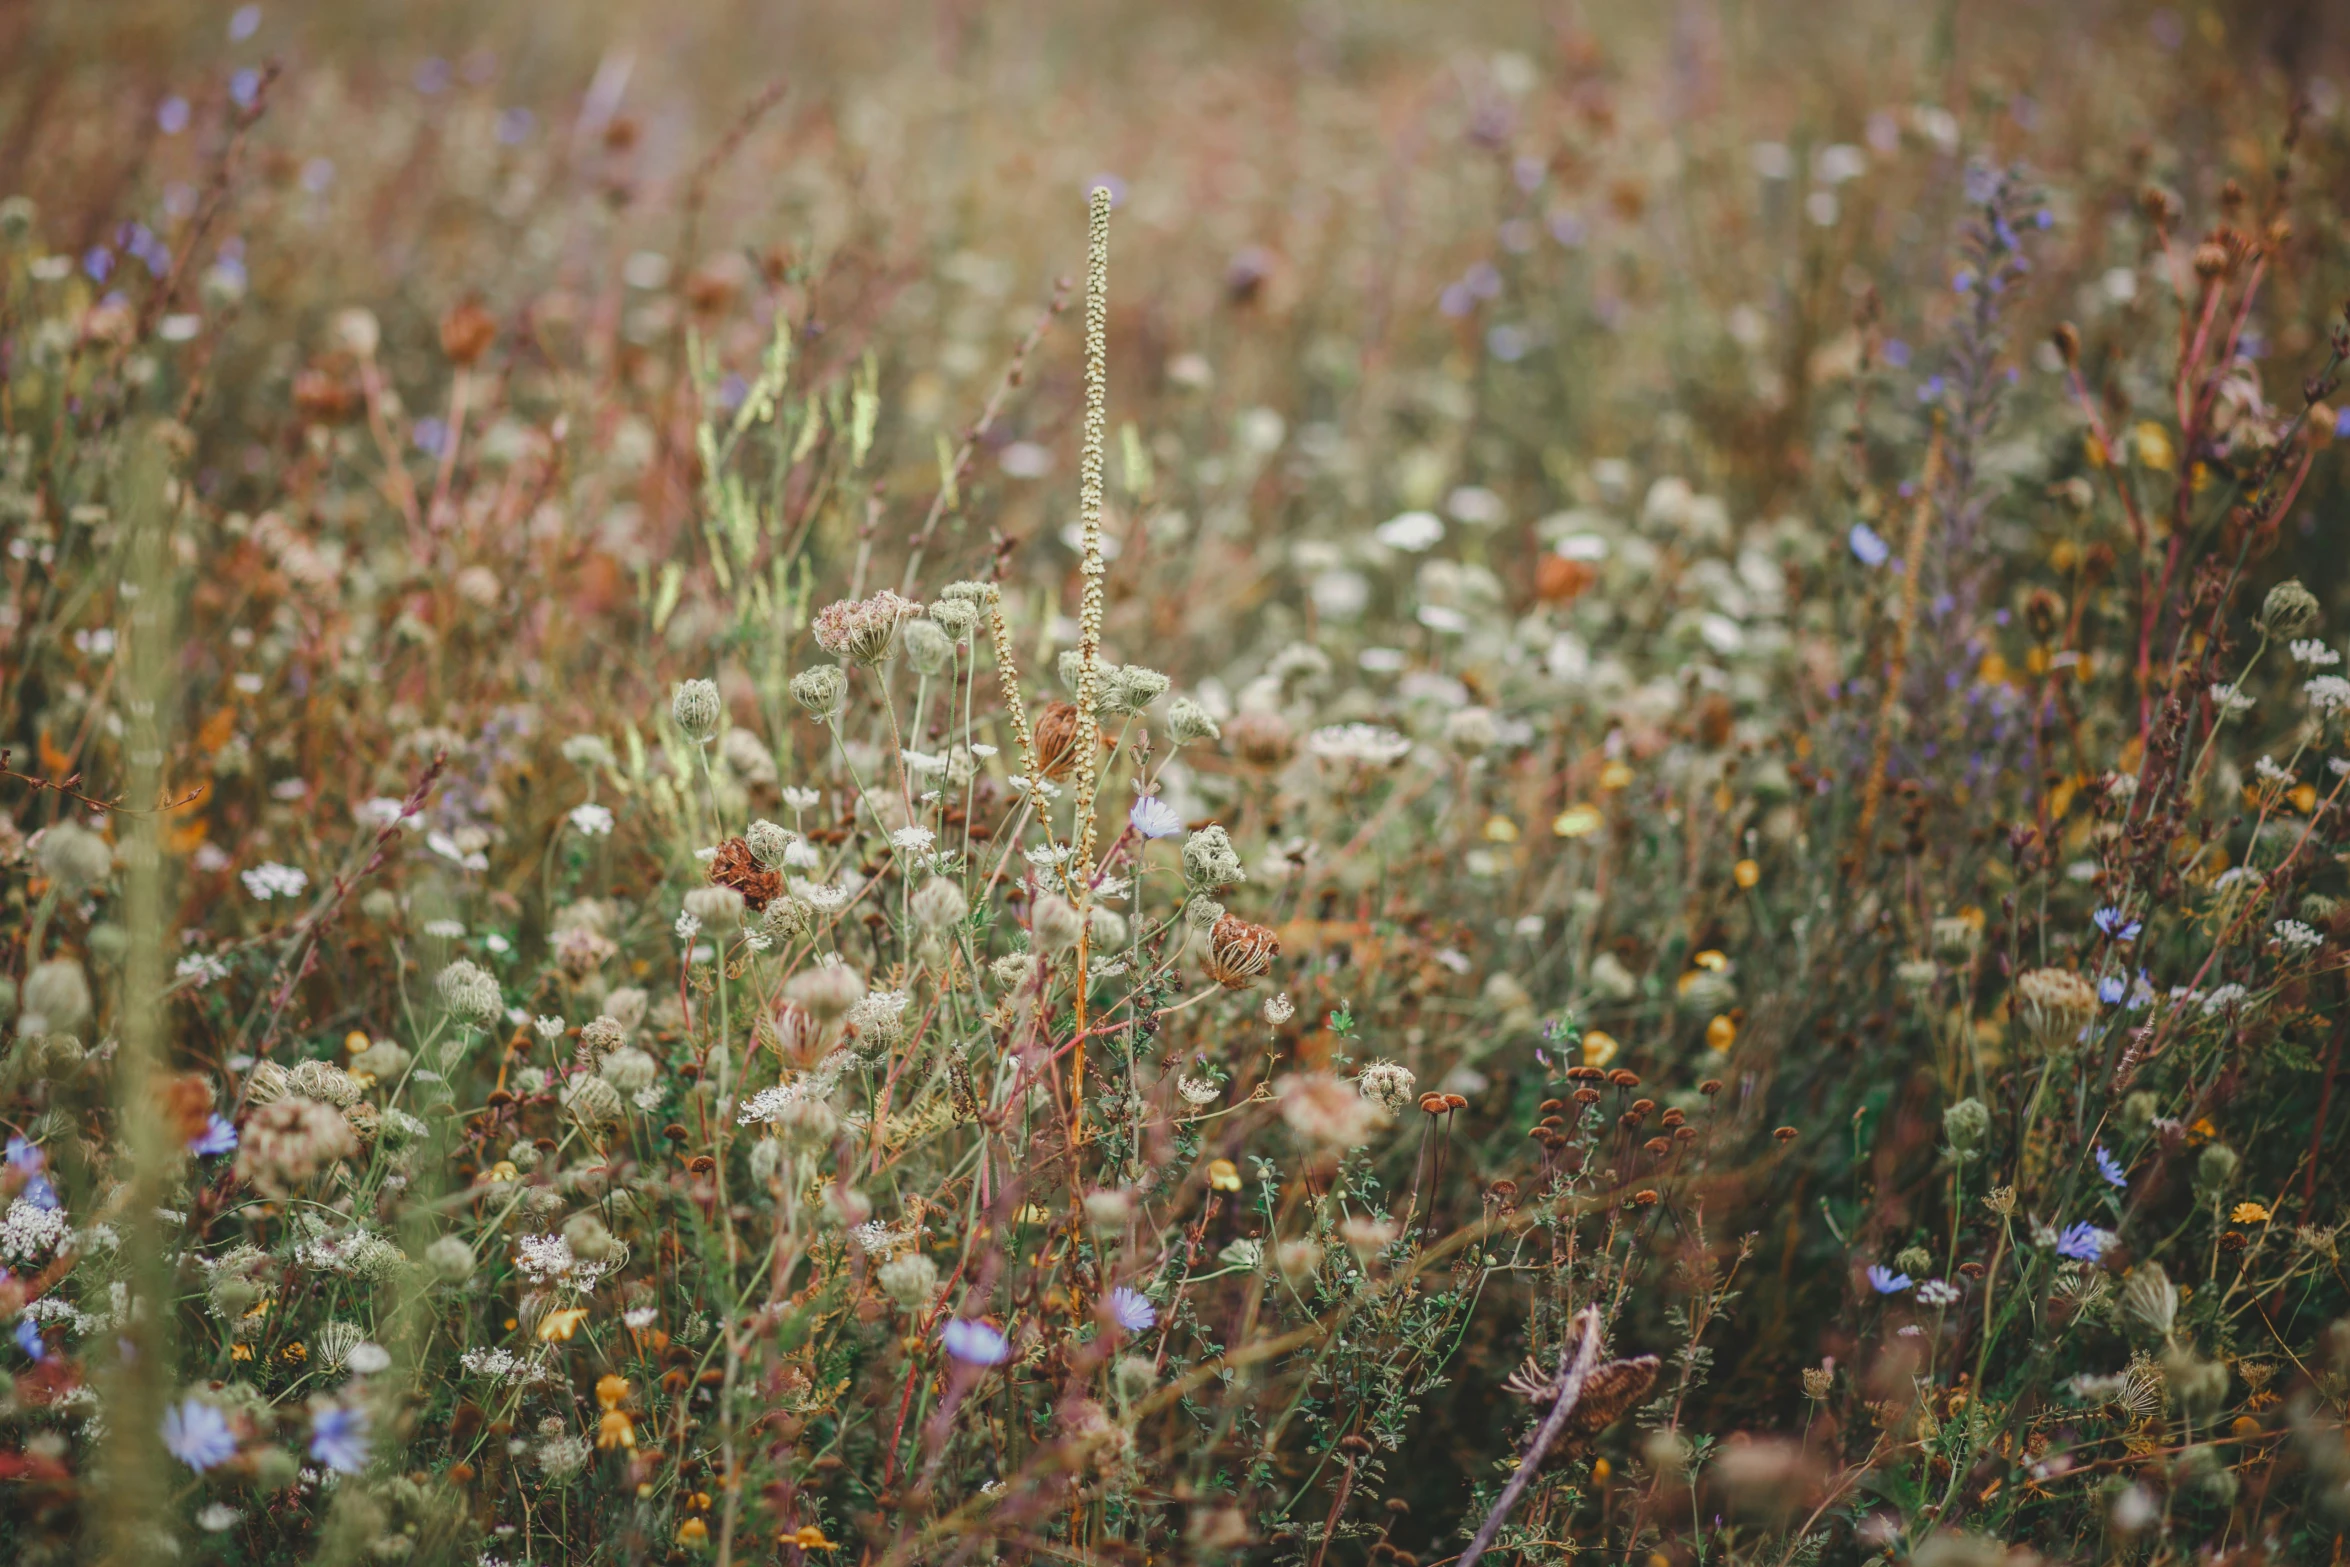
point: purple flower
(218, 1137)
(2084, 1242)
(1132, 1310)
(2115, 924)
(28, 1339)
(197, 1434)
(1867, 546)
(2110, 1167)
(1885, 1281)
(40, 1193)
(2112, 988)
(1154, 818)
(338, 1438)
(25, 1156)
(975, 1343)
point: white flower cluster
(548, 1259)
(272, 880)
(2329, 696)
(2295, 937)
(30, 1231)
(2310, 651)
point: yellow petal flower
(1576, 821)
(1720, 1034)
(809, 1538)
(2249, 1213)
(558, 1326)
(611, 1390)
(1746, 873)
(1599, 1047)
(1500, 829)
(1223, 1175)
(615, 1430)
(1614, 776)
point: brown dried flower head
(1239, 953)
(737, 867)
(467, 332)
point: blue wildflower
(41, 1194)
(197, 1434)
(1132, 1310)
(2111, 989)
(2111, 1168)
(2084, 1242)
(1868, 547)
(2117, 925)
(975, 1343)
(25, 1156)
(338, 1438)
(1885, 1281)
(28, 1339)
(218, 1137)
(1153, 817)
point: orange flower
(1223, 1175)
(558, 1326)
(615, 1429)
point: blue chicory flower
(1885, 1281)
(197, 1434)
(28, 1339)
(2110, 1167)
(25, 1156)
(2111, 989)
(218, 1137)
(1153, 817)
(2084, 1242)
(1868, 546)
(2117, 925)
(975, 1343)
(338, 1438)
(1132, 1310)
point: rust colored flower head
(737, 867)
(1239, 953)
(1057, 731)
(467, 332)
(1785, 1134)
(1624, 1079)
(1645, 1198)
(1432, 1103)
(1262, 740)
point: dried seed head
(827, 991)
(864, 631)
(1210, 861)
(1059, 729)
(1188, 721)
(2290, 610)
(1239, 953)
(737, 866)
(697, 709)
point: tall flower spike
(1089, 507)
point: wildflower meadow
(1305, 784)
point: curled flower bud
(1209, 860)
(928, 646)
(956, 617)
(938, 903)
(1055, 923)
(1387, 1084)
(603, 1035)
(768, 842)
(910, 1279)
(1188, 721)
(469, 991)
(823, 691)
(2289, 611)
(787, 919)
(827, 990)
(697, 709)
(74, 857)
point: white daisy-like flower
(913, 840)
(593, 819)
(548, 1027)
(2294, 936)
(1359, 745)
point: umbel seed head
(695, 706)
(823, 691)
(2290, 610)
(1188, 721)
